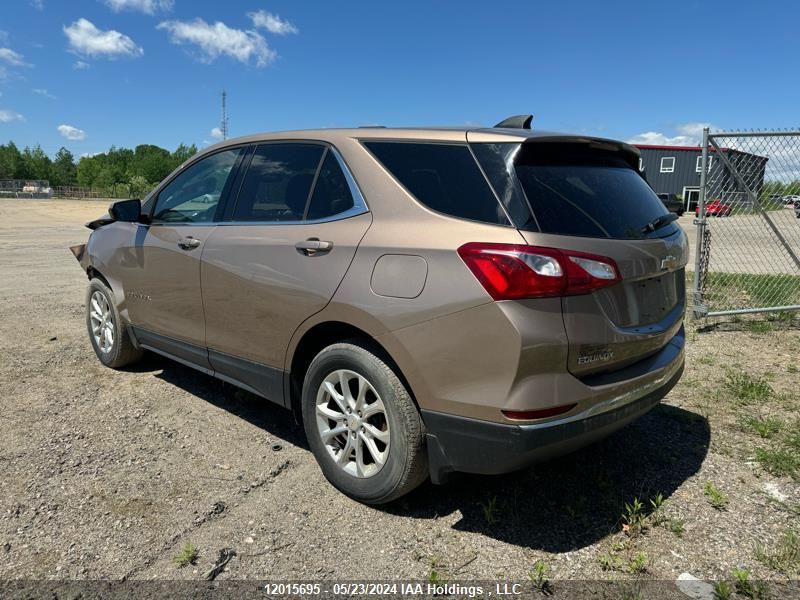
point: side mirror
(128, 211)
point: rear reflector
(515, 271)
(526, 415)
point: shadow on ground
(274, 419)
(558, 506)
(574, 501)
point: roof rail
(516, 122)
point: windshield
(575, 190)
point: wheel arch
(314, 338)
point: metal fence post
(698, 309)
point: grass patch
(755, 590)
(187, 556)
(784, 557)
(736, 290)
(538, 577)
(722, 591)
(766, 428)
(676, 526)
(747, 388)
(759, 326)
(778, 461)
(715, 497)
(491, 511)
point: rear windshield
(444, 177)
(575, 190)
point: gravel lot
(107, 475)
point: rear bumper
(469, 445)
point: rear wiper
(659, 222)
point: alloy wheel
(352, 423)
(102, 322)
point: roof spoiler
(516, 122)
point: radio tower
(223, 126)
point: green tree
(151, 162)
(89, 168)
(10, 161)
(182, 154)
(37, 163)
(63, 171)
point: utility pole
(223, 126)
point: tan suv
(425, 300)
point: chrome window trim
(359, 207)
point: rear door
(292, 234)
(590, 198)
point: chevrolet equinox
(425, 300)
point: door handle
(313, 246)
(188, 243)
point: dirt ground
(108, 475)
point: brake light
(516, 271)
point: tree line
(138, 169)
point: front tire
(109, 338)
(362, 425)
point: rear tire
(108, 335)
(352, 398)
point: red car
(715, 208)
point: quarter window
(331, 194)
(443, 177)
(193, 195)
(668, 164)
(278, 182)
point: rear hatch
(588, 196)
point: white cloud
(148, 7)
(7, 116)
(216, 133)
(43, 92)
(86, 39)
(72, 133)
(219, 39)
(37, 4)
(80, 65)
(688, 134)
(272, 23)
(12, 58)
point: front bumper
(473, 446)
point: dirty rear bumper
(469, 445)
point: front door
(162, 290)
(294, 231)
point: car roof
(441, 134)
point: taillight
(515, 271)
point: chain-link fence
(747, 254)
(25, 188)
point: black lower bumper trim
(472, 446)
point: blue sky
(87, 74)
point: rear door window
(443, 177)
(574, 190)
(278, 182)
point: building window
(668, 164)
(699, 166)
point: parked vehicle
(715, 208)
(424, 300)
(673, 203)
